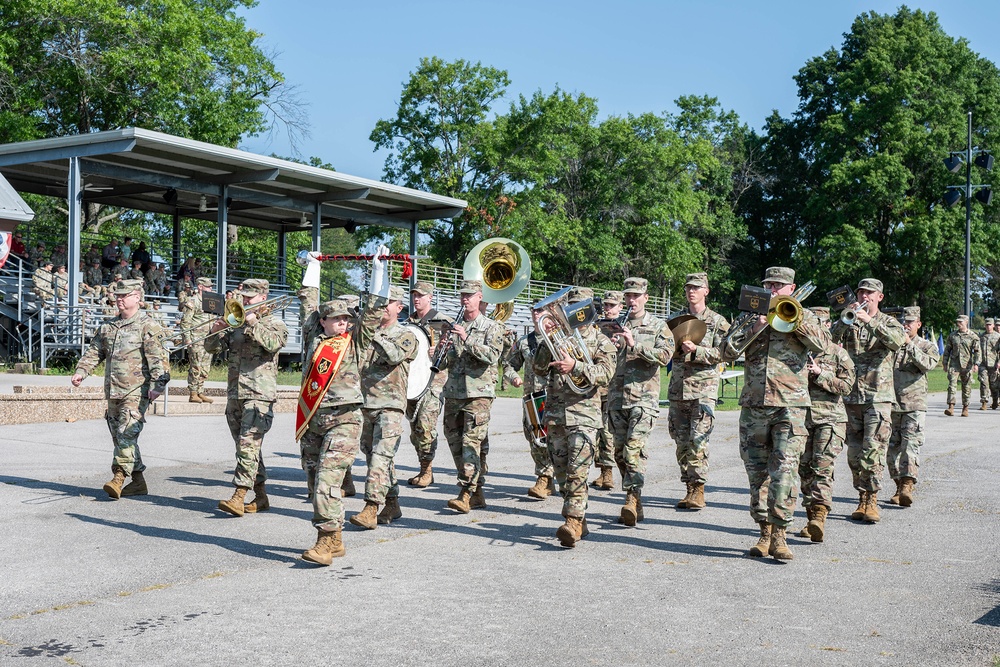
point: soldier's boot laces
(871, 508)
(114, 487)
(137, 487)
(368, 517)
(906, 491)
(697, 501)
(779, 547)
(204, 398)
(193, 397)
(461, 504)
(234, 505)
(390, 512)
(542, 488)
(630, 511)
(424, 478)
(817, 523)
(950, 411)
(859, 513)
(477, 501)
(810, 513)
(682, 504)
(260, 503)
(760, 549)
(965, 410)
(347, 486)
(329, 545)
(570, 532)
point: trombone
(234, 314)
(784, 314)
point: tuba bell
(504, 268)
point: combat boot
(894, 500)
(640, 516)
(234, 505)
(982, 405)
(461, 504)
(906, 491)
(347, 486)
(682, 504)
(810, 513)
(424, 478)
(137, 487)
(114, 487)
(779, 546)
(630, 512)
(965, 410)
(543, 488)
(760, 549)
(477, 501)
(871, 508)
(951, 410)
(859, 513)
(570, 532)
(204, 398)
(697, 501)
(329, 545)
(260, 502)
(368, 517)
(193, 397)
(606, 480)
(390, 512)
(817, 523)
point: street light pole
(968, 222)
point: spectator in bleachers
(42, 280)
(38, 255)
(91, 285)
(125, 251)
(109, 256)
(198, 270)
(92, 255)
(136, 273)
(149, 279)
(160, 279)
(59, 256)
(142, 255)
(17, 246)
(60, 282)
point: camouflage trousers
(868, 430)
(771, 444)
(690, 424)
(823, 445)
(249, 421)
(329, 448)
(125, 418)
(631, 429)
(423, 427)
(905, 443)
(953, 378)
(199, 363)
(380, 436)
(605, 438)
(539, 451)
(572, 450)
(989, 383)
(466, 423)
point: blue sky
(350, 59)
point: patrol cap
(779, 274)
(613, 296)
(334, 308)
(990, 320)
(962, 318)
(423, 288)
(870, 284)
(397, 294)
(822, 312)
(205, 282)
(352, 300)
(579, 294)
(636, 286)
(471, 287)
(697, 280)
(126, 287)
(253, 287)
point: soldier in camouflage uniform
(93, 278)
(644, 347)
(522, 355)
(773, 418)
(573, 419)
(197, 321)
(611, 304)
(37, 256)
(60, 283)
(871, 342)
(385, 369)
(475, 347)
(961, 360)
(911, 363)
(693, 391)
(42, 281)
(253, 389)
(989, 368)
(831, 377)
(92, 256)
(59, 257)
(136, 370)
(424, 412)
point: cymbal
(687, 327)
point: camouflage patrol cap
(126, 287)
(205, 282)
(579, 294)
(636, 286)
(870, 284)
(912, 314)
(352, 300)
(779, 274)
(334, 308)
(423, 288)
(397, 294)
(613, 296)
(471, 287)
(253, 287)
(962, 318)
(822, 312)
(990, 320)
(697, 280)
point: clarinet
(445, 345)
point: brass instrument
(610, 326)
(502, 311)
(504, 268)
(784, 314)
(444, 345)
(234, 314)
(558, 324)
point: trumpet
(849, 315)
(234, 314)
(784, 314)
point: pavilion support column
(221, 258)
(317, 226)
(74, 197)
(175, 245)
(282, 254)
(413, 258)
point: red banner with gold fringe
(322, 369)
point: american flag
(4, 247)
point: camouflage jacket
(472, 364)
(566, 407)
(253, 358)
(989, 349)
(871, 347)
(695, 375)
(58, 259)
(195, 318)
(522, 355)
(386, 366)
(910, 365)
(961, 351)
(36, 256)
(60, 281)
(826, 390)
(93, 276)
(91, 256)
(775, 372)
(149, 279)
(438, 325)
(42, 281)
(636, 383)
(133, 353)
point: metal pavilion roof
(156, 172)
(12, 207)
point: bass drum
(420, 377)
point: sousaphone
(504, 268)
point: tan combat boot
(760, 549)
(424, 478)
(137, 487)
(543, 487)
(630, 512)
(204, 398)
(347, 486)
(260, 502)
(570, 532)
(606, 482)
(810, 513)
(329, 545)
(859, 513)
(906, 491)
(477, 501)
(114, 487)
(193, 397)
(894, 500)
(982, 405)
(951, 410)
(390, 512)
(871, 508)
(640, 516)
(817, 523)
(965, 410)
(779, 546)
(368, 517)
(682, 504)
(234, 505)
(697, 501)
(461, 504)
